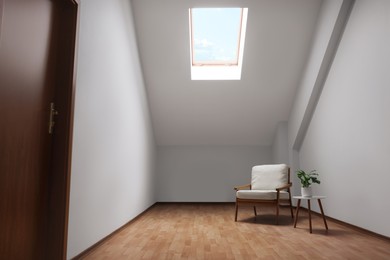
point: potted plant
(307, 179)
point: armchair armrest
(242, 187)
(288, 185)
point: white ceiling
(244, 112)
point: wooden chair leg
(254, 209)
(291, 209)
(277, 214)
(235, 219)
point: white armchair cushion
(269, 177)
(261, 194)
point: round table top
(309, 198)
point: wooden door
(31, 68)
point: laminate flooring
(208, 231)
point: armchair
(270, 185)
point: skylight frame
(221, 71)
(217, 62)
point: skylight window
(217, 37)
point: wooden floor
(208, 231)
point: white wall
(348, 140)
(227, 112)
(311, 83)
(279, 148)
(113, 150)
(205, 173)
(323, 31)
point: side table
(318, 198)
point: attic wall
(227, 112)
(205, 173)
(113, 150)
(279, 148)
(307, 91)
(348, 138)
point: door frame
(66, 24)
(1, 15)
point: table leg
(308, 204)
(297, 212)
(322, 213)
(235, 218)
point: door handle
(53, 112)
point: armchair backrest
(270, 177)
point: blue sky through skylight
(215, 34)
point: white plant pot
(306, 192)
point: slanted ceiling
(243, 112)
